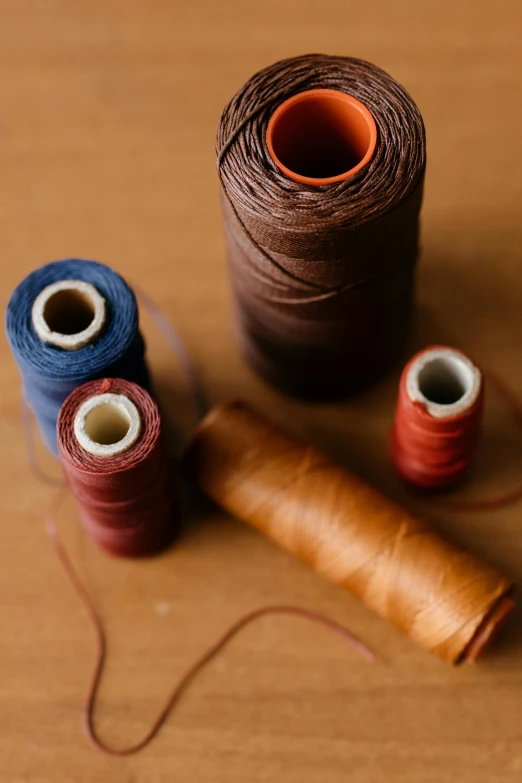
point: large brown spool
(442, 597)
(321, 161)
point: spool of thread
(69, 322)
(438, 419)
(321, 161)
(112, 451)
(443, 598)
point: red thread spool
(109, 437)
(438, 418)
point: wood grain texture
(107, 122)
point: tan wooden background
(108, 112)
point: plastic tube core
(319, 137)
(445, 381)
(69, 314)
(107, 424)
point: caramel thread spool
(440, 596)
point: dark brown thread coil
(322, 276)
(440, 596)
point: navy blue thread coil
(50, 373)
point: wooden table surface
(108, 111)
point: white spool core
(69, 314)
(107, 424)
(445, 381)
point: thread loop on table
(190, 673)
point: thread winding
(53, 367)
(117, 468)
(440, 596)
(322, 276)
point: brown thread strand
(187, 676)
(440, 596)
(322, 276)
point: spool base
(300, 384)
(138, 541)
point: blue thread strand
(49, 373)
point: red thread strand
(126, 500)
(189, 674)
(34, 466)
(179, 350)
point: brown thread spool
(321, 161)
(442, 597)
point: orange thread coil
(443, 598)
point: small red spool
(109, 437)
(438, 418)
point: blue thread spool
(67, 323)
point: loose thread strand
(178, 348)
(186, 677)
(511, 496)
(34, 467)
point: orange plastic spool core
(319, 137)
(489, 629)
